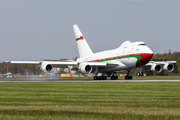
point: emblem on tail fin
(80, 38)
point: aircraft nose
(145, 58)
(149, 56)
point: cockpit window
(141, 44)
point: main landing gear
(104, 76)
(114, 76)
(101, 77)
(127, 77)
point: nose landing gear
(140, 73)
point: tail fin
(83, 47)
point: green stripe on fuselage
(137, 57)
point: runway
(58, 80)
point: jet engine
(156, 68)
(84, 68)
(46, 67)
(168, 67)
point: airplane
(127, 56)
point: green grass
(89, 100)
(91, 78)
(153, 77)
(123, 78)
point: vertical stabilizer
(83, 47)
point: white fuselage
(127, 56)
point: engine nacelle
(168, 67)
(46, 67)
(156, 68)
(84, 68)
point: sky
(43, 29)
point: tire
(102, 77)
(138, 74)
(128, 77)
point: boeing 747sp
(127, 56)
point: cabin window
(141, 44)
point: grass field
(91, 78)
(89, 100)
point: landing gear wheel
(128, 77)
(100, 77)
(114, 77)
(140, 74)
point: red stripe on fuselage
(145, 58)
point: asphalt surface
(57, 80)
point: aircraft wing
(60, 63)
(159, 63)
(47, 66)
(158, 66)
(54, 63)
(25, 62)
(98, 64)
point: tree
(169, 52)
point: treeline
(169, 57)
(33, 69)
(165, 57)
(22, 69)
